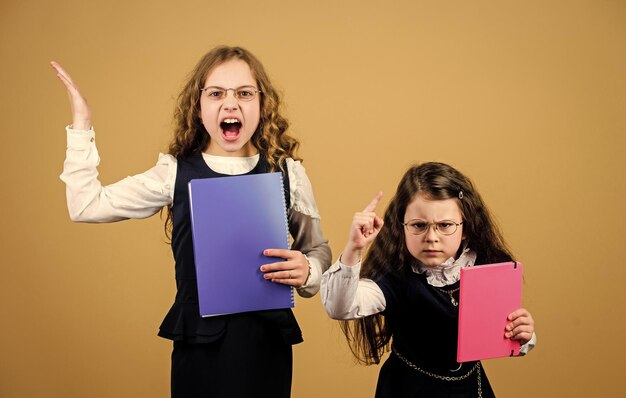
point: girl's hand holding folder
(521, 327)
(294, 271)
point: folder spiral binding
(233, 220)
(286, 218)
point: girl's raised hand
(81, 115)
(365, 227)
(521, 326)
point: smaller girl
(407, 288)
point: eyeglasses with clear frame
(243, 93)
(419, 227)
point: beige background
(526, 97)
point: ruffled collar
(449, 272)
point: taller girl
(227, 122)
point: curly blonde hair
(270, 138)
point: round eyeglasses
(243, 93)
(419, 227)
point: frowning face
(432, 247)
(230, 122)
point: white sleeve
(525, 349)
(305, 227)
(345, 296)
(137, 196)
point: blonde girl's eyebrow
(212, 87)
(218, 88)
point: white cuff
(79, 139)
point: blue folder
(233, 220)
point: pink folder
(489, 293)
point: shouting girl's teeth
(230, 128)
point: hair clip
(461, 195)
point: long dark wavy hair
(369, 337)
(190, 136)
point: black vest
(183, 321)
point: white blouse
(142, 195)
(347, 296)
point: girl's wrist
(350, 256)
(81, 123)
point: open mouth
(230, 128)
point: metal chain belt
(444, 378)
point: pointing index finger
(372, 205)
